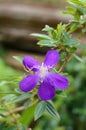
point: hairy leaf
(52, 111)
(39, 110)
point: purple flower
(48, 81)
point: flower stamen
(43, 70)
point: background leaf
(21, 97)
(18, 58)
(27, 116)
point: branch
(65, 62)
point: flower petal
(58, 81)
(46, 91)
(30, 62)
(51, 58)
(29, 82)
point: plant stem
(65, 62)
(22, 108)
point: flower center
(43, 70)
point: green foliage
(78, 11)
(58, 38)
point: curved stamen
(26, 69)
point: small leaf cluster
(78, 11)
(58, 38)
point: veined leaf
(39, 110)
(51, 110)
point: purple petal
(58, 81)
(29, 82)
(51, 58)
(30, 62)
(46, 91)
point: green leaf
(71, 49)
(27, 116)
(78, 58)
(54, 35)
(42, 36)
(19, 59)
(47, 43)
(73, 27)
(17, 90)
(78, 5)
(72, 42)
(39, 110)
(70, 10)
(47, 28)
(52, 111)
(21, 97)
(62, 94)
